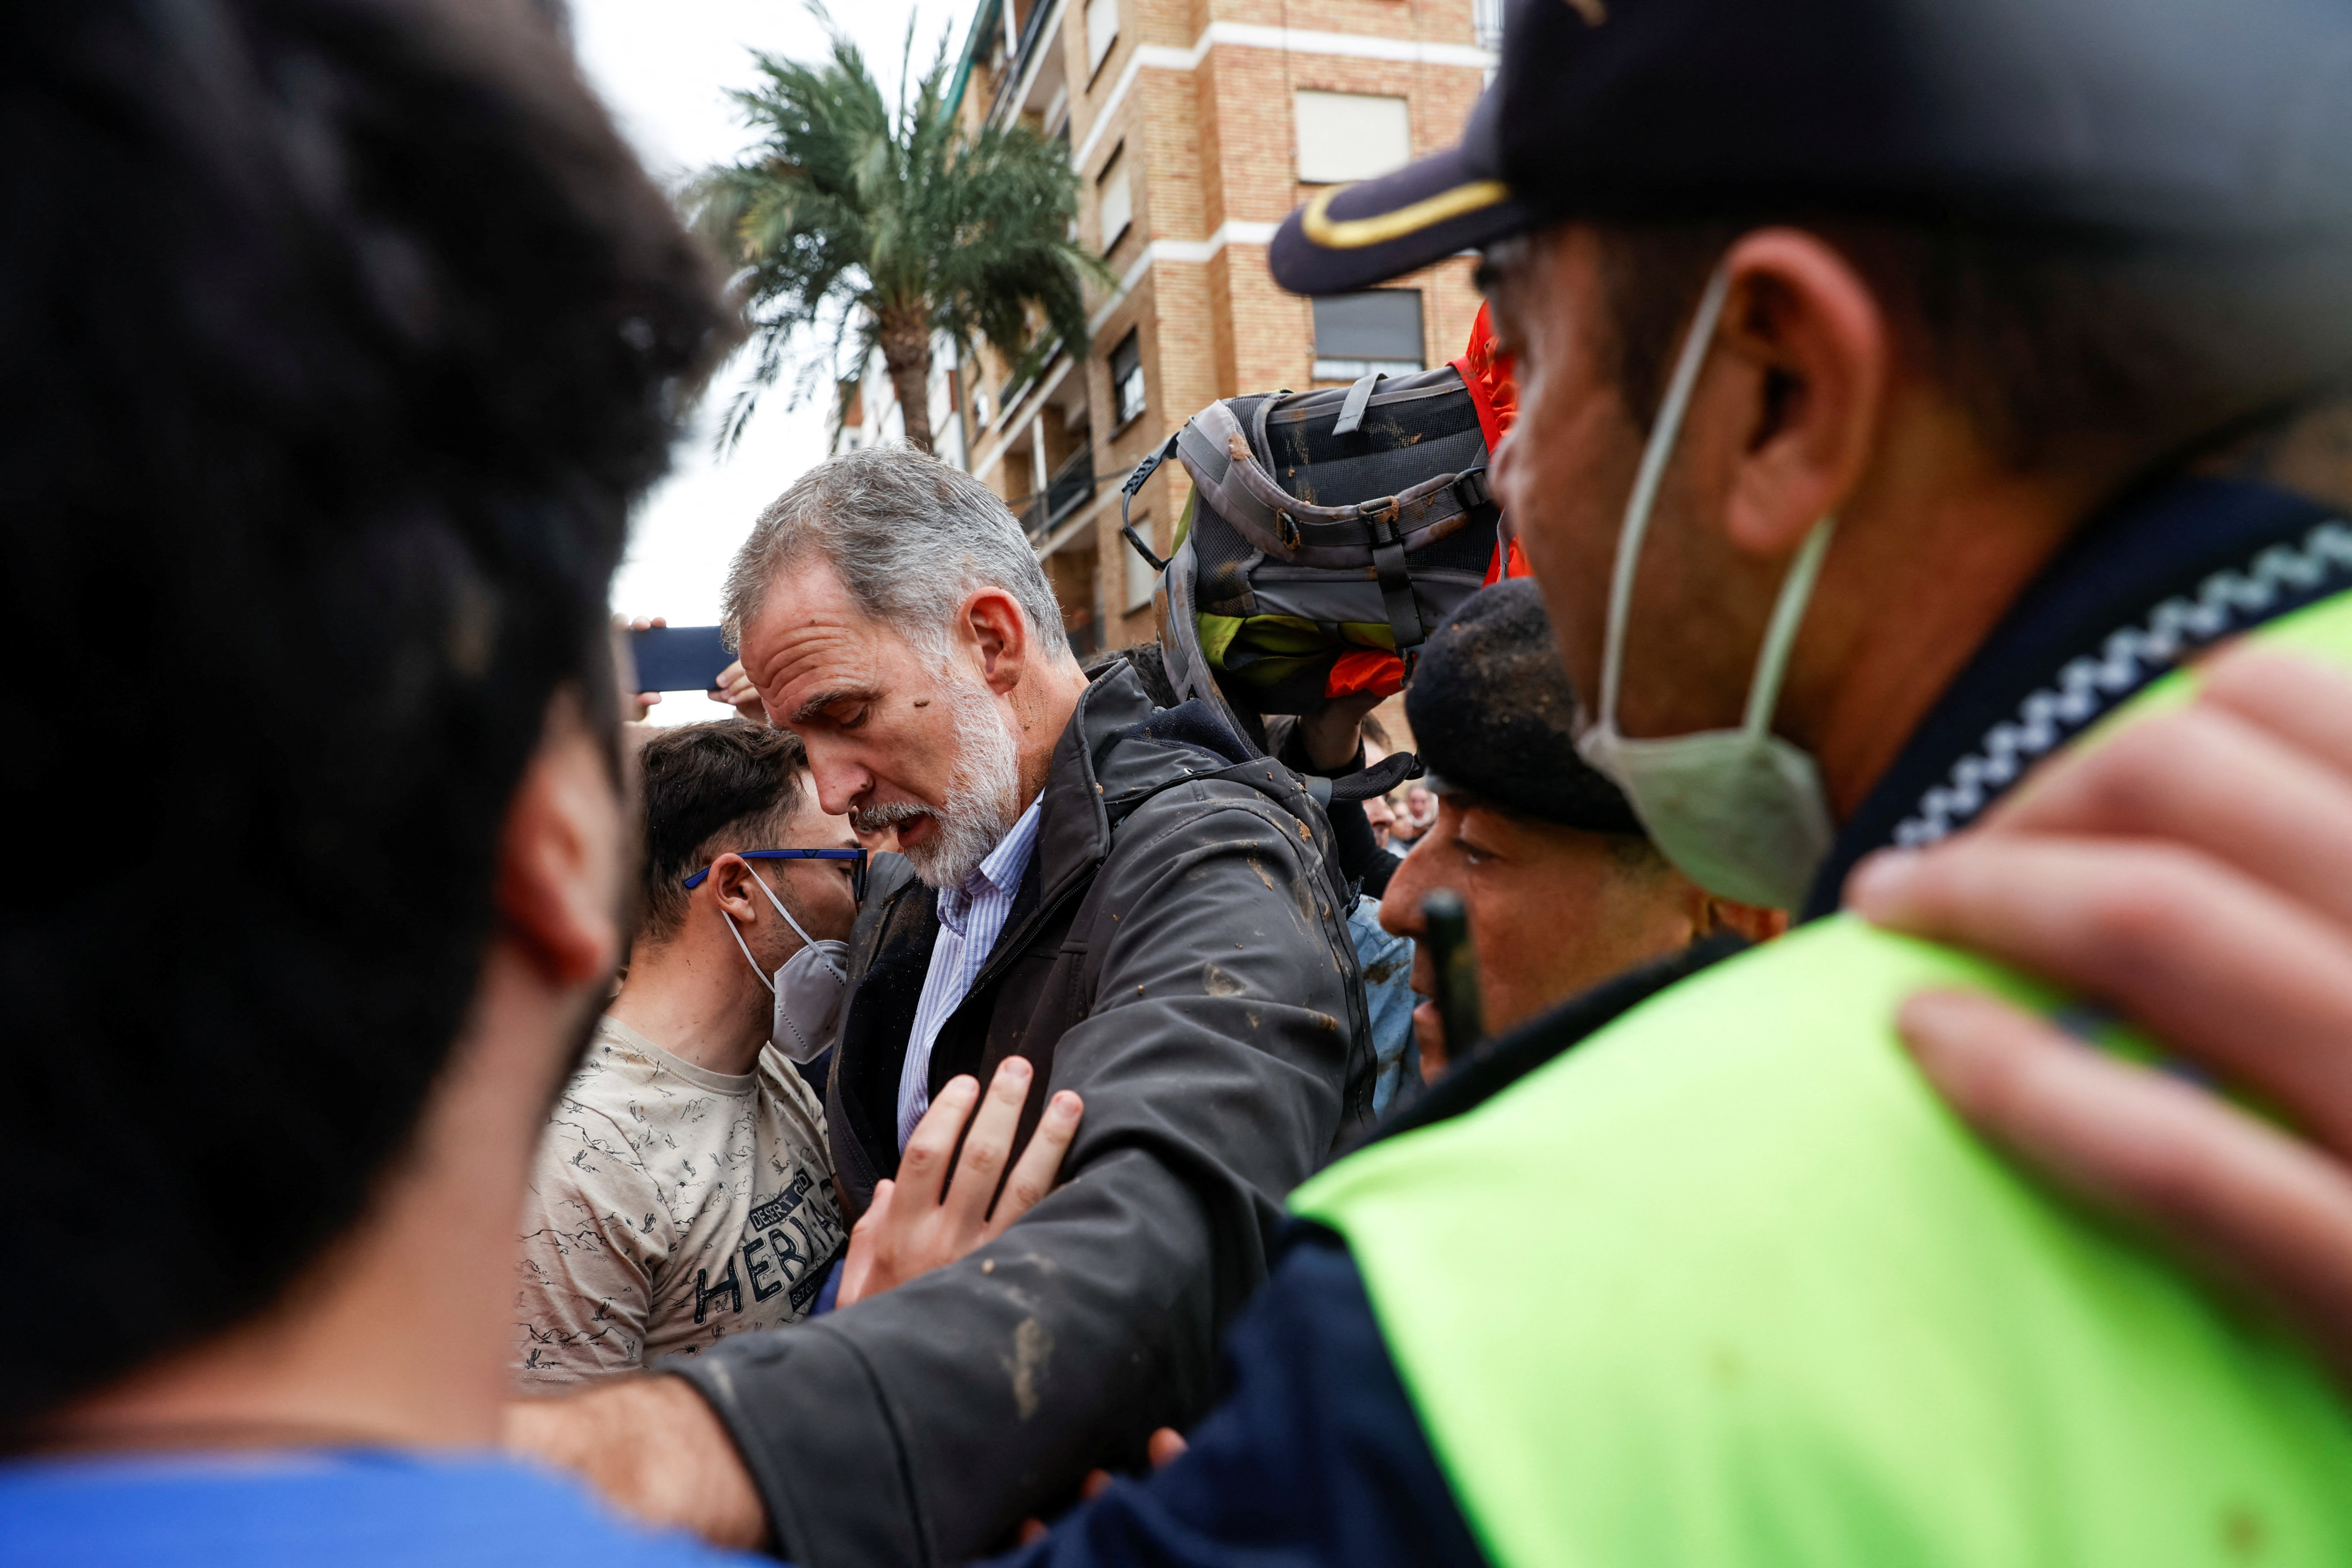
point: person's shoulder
(356, 1509)
(1241, 805)
(618, 1064)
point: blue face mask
(808, 987)
(1740, 812)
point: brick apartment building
(1196, 126)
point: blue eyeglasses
(857, 858)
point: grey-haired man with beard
(1126, 896)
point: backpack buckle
(1471, 486)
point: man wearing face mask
(683, 1191)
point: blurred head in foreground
(341, 334)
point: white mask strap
(1796, 588)
(798, 930)
(737, 935)
(807, 940)
(1780, 633)
(1646, 479)
(747, 948)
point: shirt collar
(1000, 872)
(2139, 589)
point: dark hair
(1151, 666)
(710, 788)
(2048, 340)
(339, 335)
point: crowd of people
(1828, 1041)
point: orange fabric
(1510, 561)
(1495, 393)
(1365, 670)
(1494, 386)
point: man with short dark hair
(684, 1191)
(344, 334)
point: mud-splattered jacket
(1178, 956)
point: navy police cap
(2195, 118)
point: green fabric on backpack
(1726, 1284)
(1267, 651)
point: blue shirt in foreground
(352, 1508)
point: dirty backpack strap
(1135, 481)
(1396, 578)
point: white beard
(983, 795)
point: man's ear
(730, 885)
(995, 621)
(560, 855)
(1809, 349)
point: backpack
(1327, 534)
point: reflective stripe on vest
(1728, 1285)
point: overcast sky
(664, 65)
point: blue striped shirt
(971, 920)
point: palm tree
(891, 227)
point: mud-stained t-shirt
(669, 1208)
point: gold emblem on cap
(1593, 12)
(1356, 233)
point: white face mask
(808, 987)
(1740, 812)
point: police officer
(1904, 387)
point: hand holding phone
(679, 659)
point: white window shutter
(1117, 205)
(1102, 30)
(1349, 135)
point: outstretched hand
(913, 1226)
(2195, 873)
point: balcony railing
(1018, 66)
(1072, 485)
(1487, 17)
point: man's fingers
(988, 1144)
(922, 1168)
(2245, 980)
(2254, 1205)
(865, 1241)
(1096, 1483)
(1167, 1445)
(1033, 1175)
(2212, 779)
(2307, 704)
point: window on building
(1349, 136)
(1139, 574)
(1114, 200)
(1127, 377)
(1356, 334)
(1102, 30)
